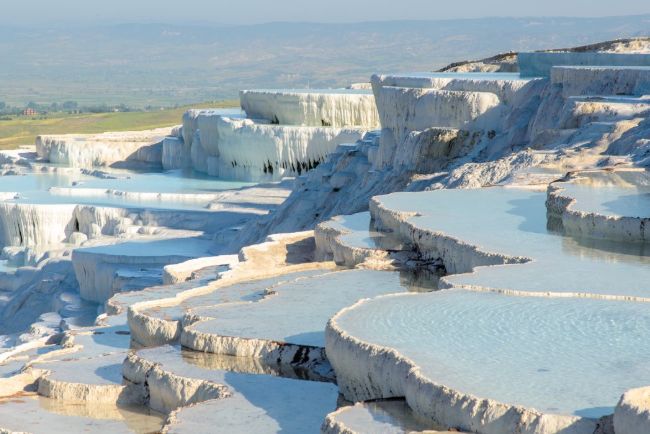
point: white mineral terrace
(247, 148)
(90, 150)
(602, 80)
(477, 264)
(170, 316)
(567, 318)
(581, 111)
(284, 133)
(540, 64)
(99, 269)
(312, 107)
(505, 85)
(233, 401)
(349, 240)
(457, 234)
(613, 205)
(259, 325)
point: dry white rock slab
(293, 315)
(250, 402)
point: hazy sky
(256, 11)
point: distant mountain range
(164, 64)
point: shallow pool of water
(621, 193)
(358, 231)
(259, 402)
(129, 189)
(513, 222)
(172, 181)
(562, 354)
(40, 415)
(572, 356)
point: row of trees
(67, 106)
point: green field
(22, 130)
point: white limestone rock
(192, 125)
(211, 395)
(238, 328)
(92, 380)
(632, 415)
(403, 110)
(328, 108)
(24, 224)
(602, 80)
(97, 267)
(198, 155)
(358, 364)
(351, 241)
(578, 112)
(564, 209)
(249, 150)
(509, 87)
(154, 315)
(173, 153)
(540, 64)
(77, 238)
(92, 150)
(391, 416)
(181, 272)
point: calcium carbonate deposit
(458, 251)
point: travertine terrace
(456, 251)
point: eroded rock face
(333, 108)
(284, 133)
(136, 147)
(632, 415)
(253, 150)
(602, 80)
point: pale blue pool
(570, 356)
(549, 348)
(621, 193)
(71, 187)
(513, 222)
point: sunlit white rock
(103, 149)
(316, 108)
